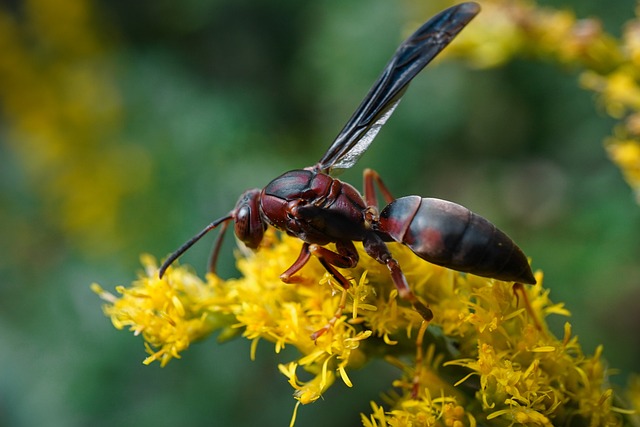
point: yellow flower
(626, 154)
(427, 411)
(492, 40)
(170, 313)
(489, 354)
(619, 89)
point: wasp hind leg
(518, 288)
(377, 249)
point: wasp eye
(242, 225)
(249, 226)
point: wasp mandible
(318, 209)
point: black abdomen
(450, 235)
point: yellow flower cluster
(610, 66)
(169, 313)
(509, 28)
(63, 111)
(486, 358)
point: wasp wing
(410, 58)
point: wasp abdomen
(450, 235)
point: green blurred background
(128, 126)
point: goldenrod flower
(62, 111)
(489, 357)
(170, 313)
(625, 153)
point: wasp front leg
(303, 258)
(346, 256)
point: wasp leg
(378, 250)
(345, 257)
(518, 288)
(371, 177)
(303, 258)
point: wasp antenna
(182, 249)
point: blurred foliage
(127, 126)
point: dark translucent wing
(410, 58)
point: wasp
(313, 206)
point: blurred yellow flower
(626, 154)
(63, 113)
